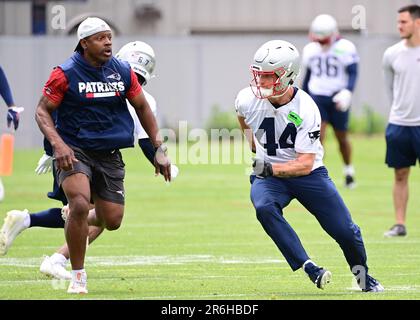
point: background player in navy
(93, 123)
(12, 111)
(401, 64)
(285, 125)
(141, 58)
(331, 63)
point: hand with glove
(174, 171)
(44, 164)
(13, 116)
(162, 162)
(343, 100)
(262, 169)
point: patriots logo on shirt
(101, 89)
(114, 76)
(314, 135)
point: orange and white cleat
(78, 283)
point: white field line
(348, 291)
(413, 288)
(23, 247)
(201, 296)
(147, 260)
(264, 243)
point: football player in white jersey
(401, 64)
(142, 60)
(330, 63)
(285, 127)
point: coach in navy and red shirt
(84, 115)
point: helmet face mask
(323, 41)
(266, 84)
(141, 58)
(275, 68)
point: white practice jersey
(328, 68)
(139, 132)
(402, 78)
(281, 133)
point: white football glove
(343, 99)
(65, 212)
(174, 171)
(44, 164)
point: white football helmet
(141, 58)
(324, 29)
(275, 68)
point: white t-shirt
(139, 132)
(401, 66)
(280, 134)
(328, 68)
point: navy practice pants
(318, 194)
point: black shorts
(402, 146)
(57, 193)
(105, 170)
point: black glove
(13, 116)
(262, 169)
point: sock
(75, 272)
(58, 258)
(27, 221)
(349, 170)
(50, 218)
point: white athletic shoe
(78, 283)
(13, 225)
(65, 212)
(54, 269)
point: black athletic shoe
(320, 276)
(397, 230)
(349, 182)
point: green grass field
(198, 237)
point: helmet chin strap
(268, 92)
(265, 92)
(282, 94)
(328, 41)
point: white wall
(15, 17)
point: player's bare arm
(63, 154)
(301, 166)
(148, 121)
(248, 133)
